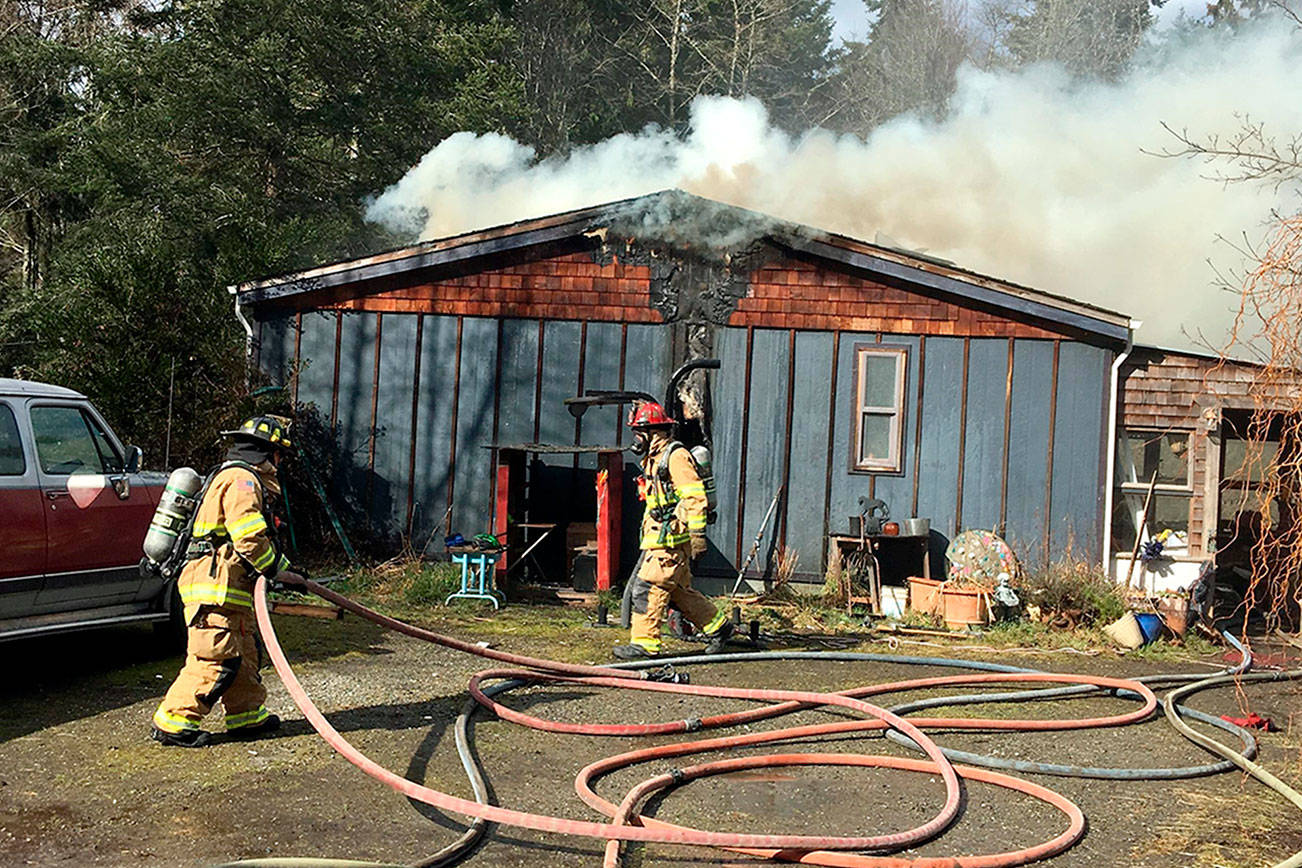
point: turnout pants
(222, 659)
(666, 577)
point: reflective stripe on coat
(232, 517)
(685, 494)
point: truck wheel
(170, 634)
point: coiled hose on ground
(627, 825)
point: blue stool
(477, 577)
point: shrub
(1072, 592)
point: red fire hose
(1052, 847)
(738, 718)
(626, 825)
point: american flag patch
(247, 483)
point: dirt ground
(81, 783)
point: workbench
(840, 546)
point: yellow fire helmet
(268, 429)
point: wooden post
(1139, 531)
(610, 492)
(510, 479)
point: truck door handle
(54, 495)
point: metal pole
(754, 549)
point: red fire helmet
(648, 414)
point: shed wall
(1003, 421)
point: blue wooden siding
(944, 425)
(438, 380)
(391, 474)
(729, 399)
(1076, 502)
(519, 381)
(765, 439)
(807, 483)
(1063, 510)
(316, 375)
(647, 366)
(472, 504)
(601, 425)
(942, 402)
(983, 442)
(1028, 449)
(276, 349)
(560, 380)
(353, 421)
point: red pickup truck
(74, 508)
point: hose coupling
(694, 724)
(677, 775)
(668, 675)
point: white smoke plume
(1032, 177)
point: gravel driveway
(81, 783)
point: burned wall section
(696, 291)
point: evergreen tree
(1096, 39)
(200, 143)
(907, 63)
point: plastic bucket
(894, 598)
(1150, 625)
(1125, 631)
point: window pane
(1147, 451)
(879, 379)
(1246, 461)
(108, 453)
(1242, 506)
(63, 441)
(875, 437)
(1166, 512)
(11, 448)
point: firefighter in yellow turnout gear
(233, 543)
(672, 536)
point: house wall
(1004, 419)
(1174, 392)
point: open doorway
(557, 512)
(1258, 512)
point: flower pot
(963, 607)
(924, 595)
(1175, 611)
(1125, 631)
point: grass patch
(1247, 830)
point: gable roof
(645, 216)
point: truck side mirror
(135, 459)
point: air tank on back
(173, 514)
(701, 455)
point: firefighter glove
(699, 545)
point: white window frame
(1141, 485)
(1133, 491)
(894, 462)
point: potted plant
(965, 602)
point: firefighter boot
(184, 738)
(267, 725)
(634, 651)
(719, 638)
